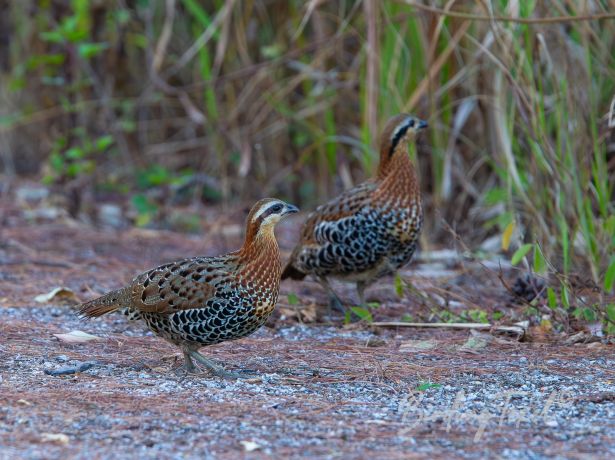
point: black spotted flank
(401, 132)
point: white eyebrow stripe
(401, 126)
(260, 212)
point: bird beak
(290, 209)
(422, 124)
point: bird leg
(334, 301)
(214, 368)
(188, 363)
(361, 285)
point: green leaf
(103, 142)
(57, 162)
(52, 59)
(495, 195)
(589, 315)
(609, 276)
(292, 299)
(89, 50)
(551, 298)
(153, 176)
(74, 153)
(520, 253)
(565, 297)
(53, 36)
(427, 385)
(17, 84)
(142, 220)
(143, 205)
(122, 16)
(478, 316)
(610, 312)
(540, 264)
(399, 285)
(272, 51)
(363, 313)
(348, 317)
(73, 169)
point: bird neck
(260, 255)
(398, 180)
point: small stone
(31, 193)
(110, 215)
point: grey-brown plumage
(207, 300)
(368, 231)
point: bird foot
(335, 305)
(232, 375)
(185, 372)
(219, 371)
(173, 358)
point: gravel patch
(317, 392)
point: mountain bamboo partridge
(207, 300)
(370, 230)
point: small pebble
(69, 370)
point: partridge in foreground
(370, 230)
(207, 300)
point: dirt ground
(317, 388)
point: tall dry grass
(279, 97)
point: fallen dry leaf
(59, 438)
(249, 446)
(417, 345)
(76, 337)
(305, 314)
(475, 343)
(576, 338)
(489, 337)
(375, 342)
(62, 293)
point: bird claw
(335, 304)
(216, 370)
(231, 375)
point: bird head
(398, 130)
(265, 214)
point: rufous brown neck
(260, 255)
(397, 179)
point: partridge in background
(370, 230)
(207, 300)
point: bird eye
(411, 124)
(276, 208)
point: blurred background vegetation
(157, 104)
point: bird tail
(107, 303)
(292, 272)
